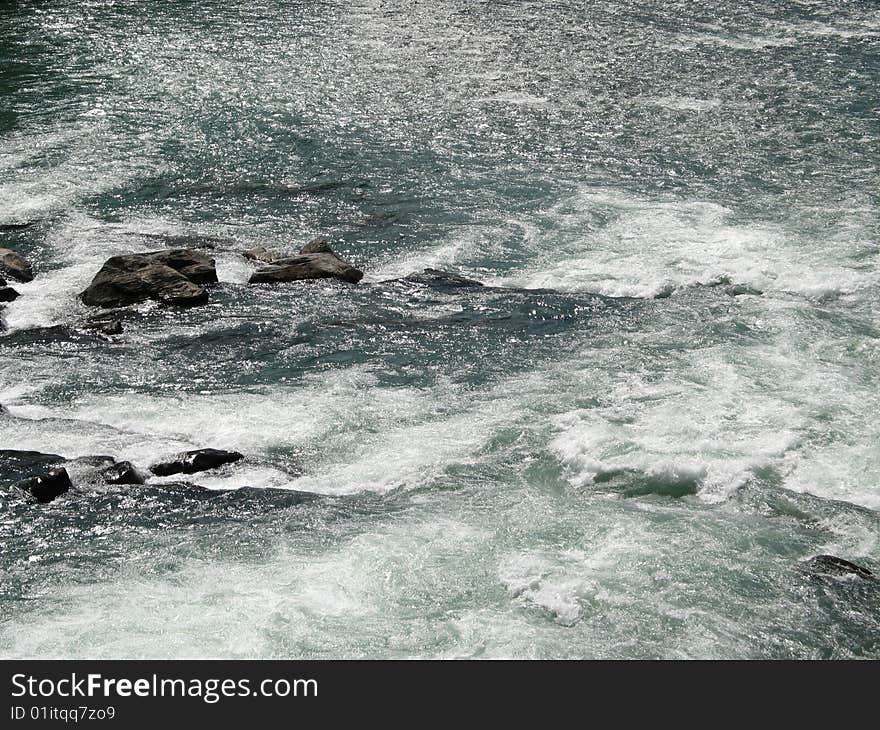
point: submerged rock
(8, 227)
(15, 266)
(47, 486)
(189, 240)
(260, 253)
(318, 262)
(8, 294)
(379, 219)
(107, 326)
(171, 277)
(838, 567)
(738, 290)
(114, 327)
(440, 279)
(191, 462)
(101, 469)
(56, 334)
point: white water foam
(649, 247)
(365, 437)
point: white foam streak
(650, 247)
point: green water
(603, 454)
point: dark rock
(101, 469)
(440, 279)
(15, 266)
(834, 566)
(194, 461)
(199, 268)
(267, 496)
(122, 472)
(112, 328)
(7, 227)
(321, 265)
(170, 277)
(56, 334)
(317, 245)
(260, 253)
(8, 294)
(16, 465)
(47, 486)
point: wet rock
(440, 279)
(16, 465)
(112, 328)
(831, 565)
(105, 326)
(318, 262)
(171, 277)
(14, 266)
(8, 294)
(8, 227)
(122, 472)
(56, 334)
(47, 486)
(99, 470)
(194, 265)
(260, 253)
(191, 462)
(317, 245)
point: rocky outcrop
(8, 294)
(191, 462)
(831, 565)
(47, 486)
(174, 276)
(315, 261)
(14, 266)
(440, 279)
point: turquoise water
(604, 455)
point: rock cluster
(48, 476)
